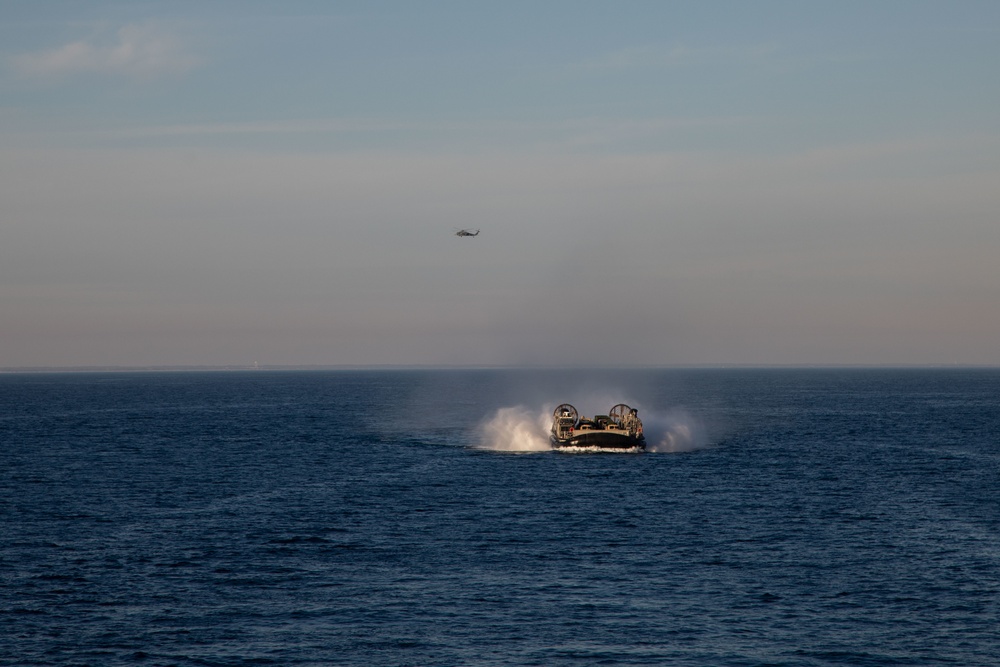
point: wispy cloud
(303, 126)
(659, 56)
(488, 134)
(138, 51)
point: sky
(656, 183)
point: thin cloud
(138, 52)
(569, 134)
(661, 56)
(333, 125)
(640, 56)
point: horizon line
(175, 368)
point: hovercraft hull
(599, 440)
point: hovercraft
(620, 429)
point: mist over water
(517, 429)
(672, 432)
(522, 429)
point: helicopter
(467, 232)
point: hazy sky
(656, 182)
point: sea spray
(517, 429)
(672, 432)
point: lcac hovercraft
(620, 429)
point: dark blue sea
(417, 517)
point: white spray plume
(675, 431)
(517, 429)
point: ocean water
(781, 517)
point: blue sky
(656, 183)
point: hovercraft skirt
(599, 440)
